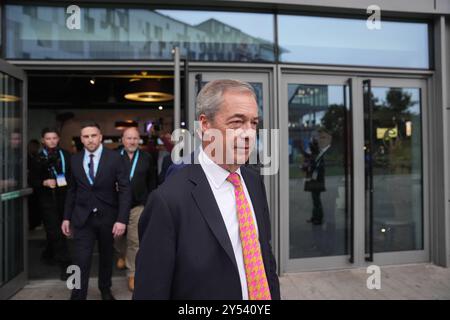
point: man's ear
(204, 123)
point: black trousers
(51, 204)
(98, 228)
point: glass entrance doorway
(116, 100)
(352, 169)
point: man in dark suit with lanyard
(97, 208)
(205, 232)
(140, 167)
(49, 172)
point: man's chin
(241, 158)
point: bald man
(140, 171)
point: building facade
(358, 94)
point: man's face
(91, 138)
(237, 120)
(50, 140)
(130, 140)
(324, 139)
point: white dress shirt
(223, 192)
(97, 154)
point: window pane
(397, 169)
(40, 32)
(321, 40)
(11, 130)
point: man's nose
(247, 131)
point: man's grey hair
(210, 98)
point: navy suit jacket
(185, 251)
(110, 193)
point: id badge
(61, 180)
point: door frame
(19, 281)
(341, 262)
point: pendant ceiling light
(150, 90)
(8, 98)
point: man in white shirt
(205, 232)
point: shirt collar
(96, 153)
(215, 173)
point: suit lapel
(100, 168)
(207, 204)
(81, 167)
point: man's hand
(65, 228)
(118, 229)
(50, 183)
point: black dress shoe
(107, 295)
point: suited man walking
(97, 208)
(205, 232)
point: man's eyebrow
(241, 116)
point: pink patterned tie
(258, 288)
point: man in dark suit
(205, 232)
(97, 208)
(139, 165)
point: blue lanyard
(133, 167)
(63, 162)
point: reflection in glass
(351, 42)
(40, 32)
(396, 161)
(318, 208)
(11, 235)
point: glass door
(316, 191)
(12, 180)
(396, 228)
(352, 172)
